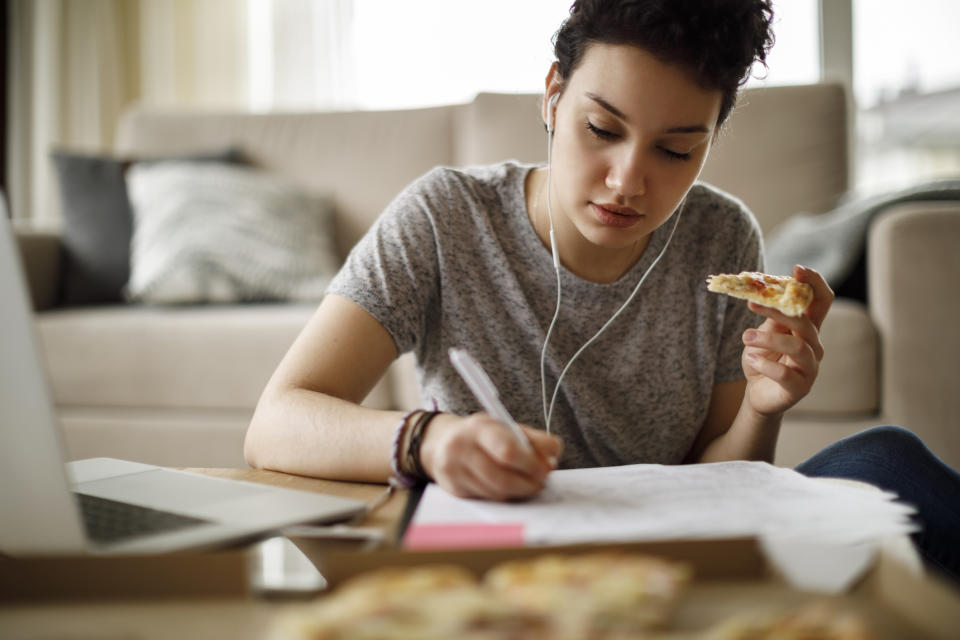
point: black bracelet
(416, 438)
(401, 477)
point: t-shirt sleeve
(737, 315)
(392, 271)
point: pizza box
(730, 576)
(222, 574)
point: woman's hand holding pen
(782, 356)
(476, 457)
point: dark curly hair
(716, 40)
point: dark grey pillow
(98, 223)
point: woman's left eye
(675, 155)
(603, 134)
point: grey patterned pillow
(97, 222)
(223, 233)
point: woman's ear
(551, 96)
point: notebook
(105, 505)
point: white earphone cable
(636, 289)
(556, 268)
(548, 411)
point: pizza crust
(431, 602)
(598, 595)
(552, 597)
(783, 293)
(812, 621)
(593, 594)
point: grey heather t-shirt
(454, 262)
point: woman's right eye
(603, 134)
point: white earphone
(548, 411)
(552, 112)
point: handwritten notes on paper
(657, 502)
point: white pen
(482, 387)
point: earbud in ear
(552, 112)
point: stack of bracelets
(405, 453)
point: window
(425, 52)
(383, 54)
(904, 48)
(795, 57)
(907, 86)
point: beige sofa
(177, 386)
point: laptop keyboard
(111, 521)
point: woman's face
(631, 134)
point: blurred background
(72, 66)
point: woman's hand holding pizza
(782, 356)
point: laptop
(106, 505)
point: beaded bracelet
(416, 438)
(400, 477)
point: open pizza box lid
(730, 576)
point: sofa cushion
(362, 159)
(783, 151)
(496, 127)
(167, 357)
(208, 232)
(848, 382)
(178, 358)
(97, 224)
(167, 437)
(40, 251)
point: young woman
(578, 286)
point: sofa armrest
(40, 251)
(913, 267)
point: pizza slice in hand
(784, 293)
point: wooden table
(251, 616)
(172, 617)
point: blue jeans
(895, 459)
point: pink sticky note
(465, 535)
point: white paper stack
(784, 509)
(658, 502)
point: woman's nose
(626, 175)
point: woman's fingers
(822, 294)
(478, 457)
(801, 354)
(787, 377)
(481, 477)
(803, 327)
(505, 450)
(548, 447)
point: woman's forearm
(751, 436)
(304, 432)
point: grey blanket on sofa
(834, 243)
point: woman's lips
(615, 216)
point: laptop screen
(37, 508)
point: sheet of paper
(657, 502)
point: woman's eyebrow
(606, 105)
(692, 128)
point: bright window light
(905, 47)
(384, 54)
(260, 29)
(795, 57)
(427, 52)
